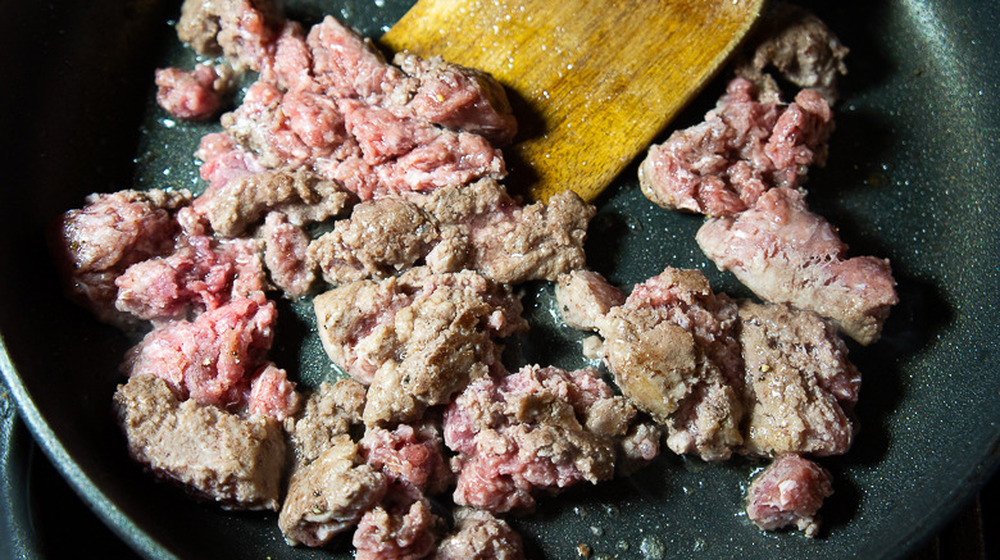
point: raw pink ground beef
(191, 94)
(385, 534)
(521, 435)
(272, 394)
(409, 454)
(789, 492)
(743, 148)
(209, 359)
(202, 274)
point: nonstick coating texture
(912, 176)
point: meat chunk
(526, 433)
(193, 94)
(785, 253)
(417, 339)
(800, 385)
(286, 248)
(408, 454)
(233, 205)
(95, 244)
(479, 535)
(329, 495)
(673, 352)
(459, 98)
(201, 274)
(585, 298)
(242, 30)
(790, 491)
(235, 461)
(797, 46)
(397, 533)
(744, 147)
(347, 66)
(380, 239)
(328, 412)
(477, 227)
(272, 394)
(212, 358)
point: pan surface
(912, 176)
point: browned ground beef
(477, 227)
(219, 456)
(479, 535)
(416, 339)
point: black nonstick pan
(912, 176)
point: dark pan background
(912, 176)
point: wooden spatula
(592, 81)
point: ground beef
(95, 244)
(789, 492)
(272, 394)
(798, 47)
(408, 454)
(458, 98)
(241, 30)
(380, 239)
(527, 433)
(329, 495)
(479, 535)
(785, 253)
(193, 94)
(584, 298)
(235, 461)
(328, 412)
(212, 358)
(478, 227)
(800, 384)
(286, 255)
(397, 533)
(201, 274)
(673, 352)
(416, 339)
(234, 204)
(744, 147)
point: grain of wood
(592, 81)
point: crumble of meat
(211, 358)
(800, 386)
(329, 495)
(479, 535)
(235, 204)
(96, 243)
(790, 491)
(240, 30)
(797, 46)
(409, 454)
(785, 253)
(396, 531)
(584, 298)
(286, 256)
(416, 339)
(193, 94)
(458, 98)
(743, 148)
(272, 394)
(528, 432)
(232, 460)
(476, 227)
(328, 412)
(202, 274)
(672, 351)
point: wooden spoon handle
(592, 81)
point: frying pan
(912, 176)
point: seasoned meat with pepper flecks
(233, 460)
